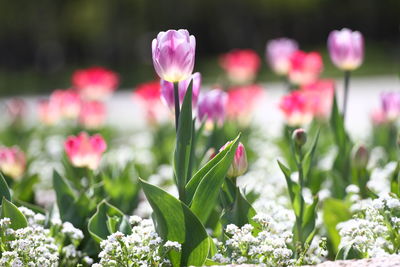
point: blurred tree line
(42, 41)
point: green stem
(177, 106)
(301, 182)
(346, 92)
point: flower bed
(201, 183)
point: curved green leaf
(192, 185)
(334, 212)
(107, 220)
(4, 190)
(9, 210)
(183, 142)
(349, 252)
(206, 194)
(174, 221)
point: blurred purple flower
(346, 49)
(390, 102)
(212, 106)
(278, 53)
(167, 90)
(173, 55)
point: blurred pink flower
(95, 83)
(49, 112)
(12, 161)
(378, 117)
(167, 90)
(212, 106)
(346, 49)
(296, 108)
(173, 55)
(16, 109)
(241, 65)
(278, 53)
(84, 150)
(149, 98)
(242, 100)
(305, 68)
(68, 101)
(93, 114)
(320, 95)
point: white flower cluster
(141, 248)
(267, 248)
(29, 246)
(375, 228)
(36, 246)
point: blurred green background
(43, 41)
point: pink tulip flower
(212, 106)
(93, 114)
(242, 100)
(296, 109)
(241, 65)
(278, 54)
(239, 164)
(12, 161)
(305, 68)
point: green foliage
(206, 194)
(175, 222)
(9, 210)
(334, 212)
(349, 253)
(183, 147)
(106, 221)
(73, 207)
(4, 190)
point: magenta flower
(346, 49)
(278, 53)
(305, 68)
(390, 104)
(241, 65)
(212, 106)
(84, 150)
(239, 164)
(167, 90)
(12, 161)
(173, 55)
(93, 114)
(95, 83)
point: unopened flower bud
(239, 164)
(299, 136)
(360, 156)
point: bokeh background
(43, 41)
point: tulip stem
(346, 92)
(176, 100)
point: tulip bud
(12, 161)
(346, 49)
(173, 55)
(84, 150)
(239, 164)
(299, 136)
(360, 156)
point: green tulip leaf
(334, 212)
(308, 157)
(106, 221)
(192, 185)
(207, 192)
(72, 208)
(240, 212)
(175, 222)
(4, 190)
(9, 210)
(349, 252)
(183, 142)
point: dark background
(43, 41)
